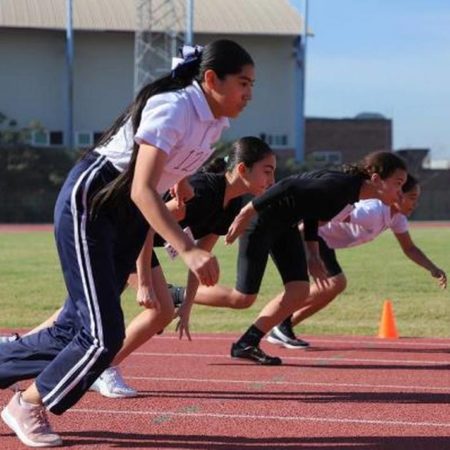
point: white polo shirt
(367, 220)
(181, 124)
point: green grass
(31, 287)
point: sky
(385, 56)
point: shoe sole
(13, 425)
(112, 395)
(255, 361)
(285, 344)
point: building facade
(346, 140)
(33, 79)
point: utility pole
(69, 141)
(160, 31)
(189, 35)
(300, 71)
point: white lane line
(318, 340)
(290, 383)
(261, 417)
(319, 360)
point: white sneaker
(4, 339)
(286, 339)
(29, 423)
(111, 384)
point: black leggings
(328, 256)
(285, 246)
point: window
(40, 138)
(87, 138)
(97, 136)
(84, 139)
(327, 157)
(56, 138)
(275, 140)
(45, 138)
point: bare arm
(182, 191)
(316, 266)
(145, 295)
(240, 223)
(415, 254)
(206, 243)
(149, 166)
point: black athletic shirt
(312, 196)
(205, 213)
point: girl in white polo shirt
(102, 217)
(366, 221)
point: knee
(166, 315)
(107, 345)
(149, 318)
(339, 284)
(242, 301)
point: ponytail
(383, 163)
(217, 165)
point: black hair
(248, 150)
(383, 163)
(224, 57)
(410, 183)
(216, 165)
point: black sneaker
(283, 337)
(177, 293)
(4, 339)
(254, 354)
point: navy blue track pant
(97, 254)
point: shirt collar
(201, 106)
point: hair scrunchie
(189, 61)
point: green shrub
(30, 179)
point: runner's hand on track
(184, 314)
(441, 277)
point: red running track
(342, 393)
(47, 227)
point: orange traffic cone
(388, 329)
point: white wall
(103, 78)
(32, 82)
(32, 76)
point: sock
(286, 325)
(27, 405)
(251, 337)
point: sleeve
(366, 213)
(163, 122)
(399, 224)
(310, 229)
(221, 227)
(274, 194)
(200, 207)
